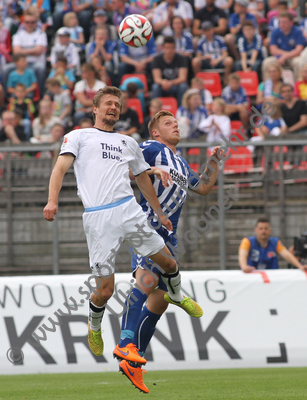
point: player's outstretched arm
(243, 257)
(144, 183)
(210, 174)
(288, 256)
(61, 167)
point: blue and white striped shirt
(249, 47)
(172, 197)
(195, 119)
(214, 48)
(184, 43)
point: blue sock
(145, 329)
(131, 316)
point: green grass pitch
(230, 384)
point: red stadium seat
(235, 127)
(241, 161)
(194, 167)
(195, 151)
(212, 82)
(136, 105)
(169, 104)
(36, 96)
(142, 77)
(250, 82)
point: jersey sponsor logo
(177, 177)
(271, 254)
(255, 255)
(110, 148)
(65, 140)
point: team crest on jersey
(271, 254)
(124, 142)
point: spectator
(22, 74)
(11, 131)
(184, 40)
(273, 125)
(170, 72)
(212, 52)
(64, 75)
(274, 22)
(99, 20)
(269, 90)
(57, 132)
(275, 9)
(120, 10)
(33, 10)
(128, 122)
(100, 69)
(190, 114)
(76, 31)
(136, 59)
(222, 4)
(236, 99)
(294, 111)
(235, 26)
(86, 123)
(250, 48)
(286, 45)
(260, 251)
(43, 8)
(32, 43)
(104, 48)
(212, 14)
(61, 8)
(5, 43)
(44, 122)
(135, 89)
(217, 124)
(168, 9)
(20, 102)
(256, 8)
(154, 107)
(85, 91)
(67, 49)
(206, 96)
(61, 102)
(303, 23)
(84, 10)
(300, 89)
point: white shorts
(106, 229)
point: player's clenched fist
(50, 211)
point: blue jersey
(234, 97)
(263, 257)
(184, 43)
(248, 47)
(214, 48)
(109, 47)
(303, 24)
(172, 197)
(234, 20)
(287, 42)
(139, 53)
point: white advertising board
(250, 320)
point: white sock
(95, 316)
(173, 283)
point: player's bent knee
(169, 266)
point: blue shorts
(139, 262)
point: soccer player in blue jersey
(260, 251)
(138, 323)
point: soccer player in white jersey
(138, 323)
(102, 159)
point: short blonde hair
(277, 66)
(153, 123)
(186, 97)
(68, 16)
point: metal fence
(271, 181)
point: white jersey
(101, 164)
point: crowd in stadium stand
(200, 64)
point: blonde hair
(197, 80)
(153, 123)
(277, 66)
(157, 101)
(234, 77)
(221, 102)
(68, 16)
(277, 114)
(186, 97)
(42, 121)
